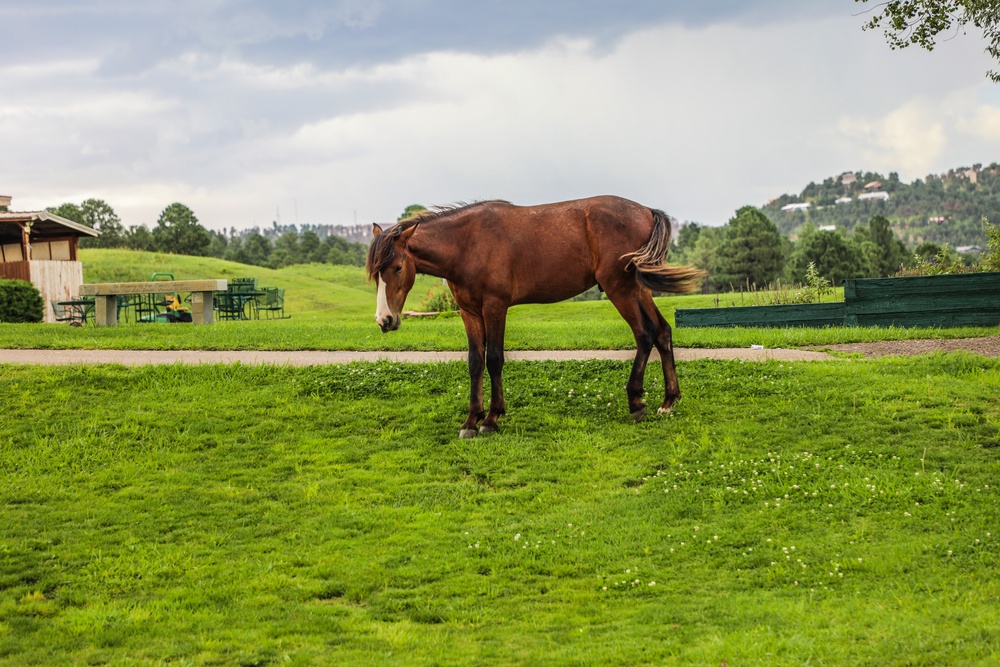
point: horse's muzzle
(389, 323)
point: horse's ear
(376, 230)
(405, 236)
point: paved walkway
(318, 358)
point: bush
(991, 260)
(20, 301)
(439, 300)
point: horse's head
(391, 266)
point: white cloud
(909, 139)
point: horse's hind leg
(495, 319)
(628, 302)
(665, 346)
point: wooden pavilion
(41, 248)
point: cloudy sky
(336, 111)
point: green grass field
(822, 513)
(825, 513)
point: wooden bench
(106, 295)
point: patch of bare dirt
(987, 347)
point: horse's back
(552, 252)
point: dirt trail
(987, 347)
(317, 358)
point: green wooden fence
(963, 300)
(968, 299)
(791, 315)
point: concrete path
(318, 358)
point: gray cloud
(130, 38)
(344, 108)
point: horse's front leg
(496, 322)
(475, 331)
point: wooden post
(25, 239)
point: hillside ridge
(939, 208)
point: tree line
(749, 251)
(178, 231)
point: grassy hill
(312, 291)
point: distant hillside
(946, 208)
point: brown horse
(495, 255)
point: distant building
(828, 228)
(972, 175)
(962, 249)
(801, 206)
(844, 200)
(882, 196)
(874, 185)
(937, 218)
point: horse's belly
(556, 289)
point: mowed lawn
(825, 513)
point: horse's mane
(381, 252)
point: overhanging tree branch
(921, 22)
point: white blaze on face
(382, 306)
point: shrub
(20, 301)
(991, 258)
(783, 294)
(439, 300)
(945, 262)
(816, 285)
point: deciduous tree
(178, 231)
(96, 214)
(921, 22)
(835, 258)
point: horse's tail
(650, 262)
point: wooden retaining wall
(963, 300)
(969, 299)
(791, 315)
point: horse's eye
(399, 268)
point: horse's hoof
(665, 410)
(486, 430)
(639, 414)
(466, 433)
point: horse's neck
(436, 247)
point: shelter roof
(44, 224)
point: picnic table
(106, 297)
